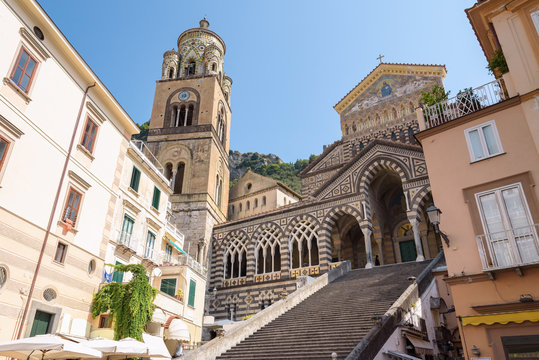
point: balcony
(140, 148)
(175, 233)
(127, 240)
(152, 255)
(186, 260)
(509, 249)
(466, 102)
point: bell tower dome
(189, 133)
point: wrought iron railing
(509, 248)
(128, 240)
(466, 102)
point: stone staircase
(334, 319)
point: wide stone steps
(334, 319)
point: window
(248, 205)
(60, 254)
(24, 70)
(535, 19)
(104, 321)
(156, 197)
(191, 68)
(241, 207)
(192, 289)
(42, 323)
(483, 141)
(235, 259)
(127, 230)
(263, 201)
(214, 67)
(118, 276)
(256, 203)
(268, 251)
(178, 183)
(232, 209)
(88, 138)
(150, 242)
(168, 286)
(303, 245)
(135, 179)
(168, 252)
(4, 146)
(71, 209)
(190, 112)
(510, 235)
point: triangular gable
(331, 157)
(386, 80)
(409, 158)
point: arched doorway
(389, 209)
(347, 242)
(404, 242)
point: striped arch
(235, 252)
(304, 217)
(370, 170)
(420, 199)
(335, 213)
(272, 225)
(269, 237)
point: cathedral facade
(364, 201)
(364, 197)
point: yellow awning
(501, 318)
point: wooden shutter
(192, 288)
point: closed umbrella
(156, 346)
(47, 347)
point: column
(173, 179)
(366, 229)
(417, 238)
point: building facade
(189, 133)
(62, 135)
(490, 215)
(364, 202)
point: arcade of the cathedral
(364, 201)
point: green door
(41, 325)
(118, 276)
(407, 250)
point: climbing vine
(130, 304)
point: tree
(130, 304)
(436, 95)
(143, 134)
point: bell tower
(189, 133)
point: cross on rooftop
(380, 58)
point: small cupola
(204, 24)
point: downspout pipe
(53, 211)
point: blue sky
(290, 61)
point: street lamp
(434, 217)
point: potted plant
(497, 64)
(435, 97)
(179, 295)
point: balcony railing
(152, 255)
(509, 248)
(147, 156)
(466, 102)
(186, 260)
(128, 240)
(173, 230)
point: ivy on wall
(130, 304)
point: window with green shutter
(156, 197)
(192, 288)
(168, 286)
(135, 179)
(118, 276)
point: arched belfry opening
(178, 183)
(347, 242)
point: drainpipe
(51, 217)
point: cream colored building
(482, 154)
(254, 194)
(62, 140)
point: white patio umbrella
(47, 347)
(156, 346)
(121, 349)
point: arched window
(268, 251)
(263, 200)
(181, 116)
(241, 207)
(217, 191)
(191, 68)
(214, 67)
(256, 203)
(189, 117)
(303, 243)
(226, 96)
(171, 73)
(235, 258)
(395, 116)
(221, 125)
(247, 205)
(393, 136)
(168, 171)
(361, 146)
(178, 183)
(232, 209)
